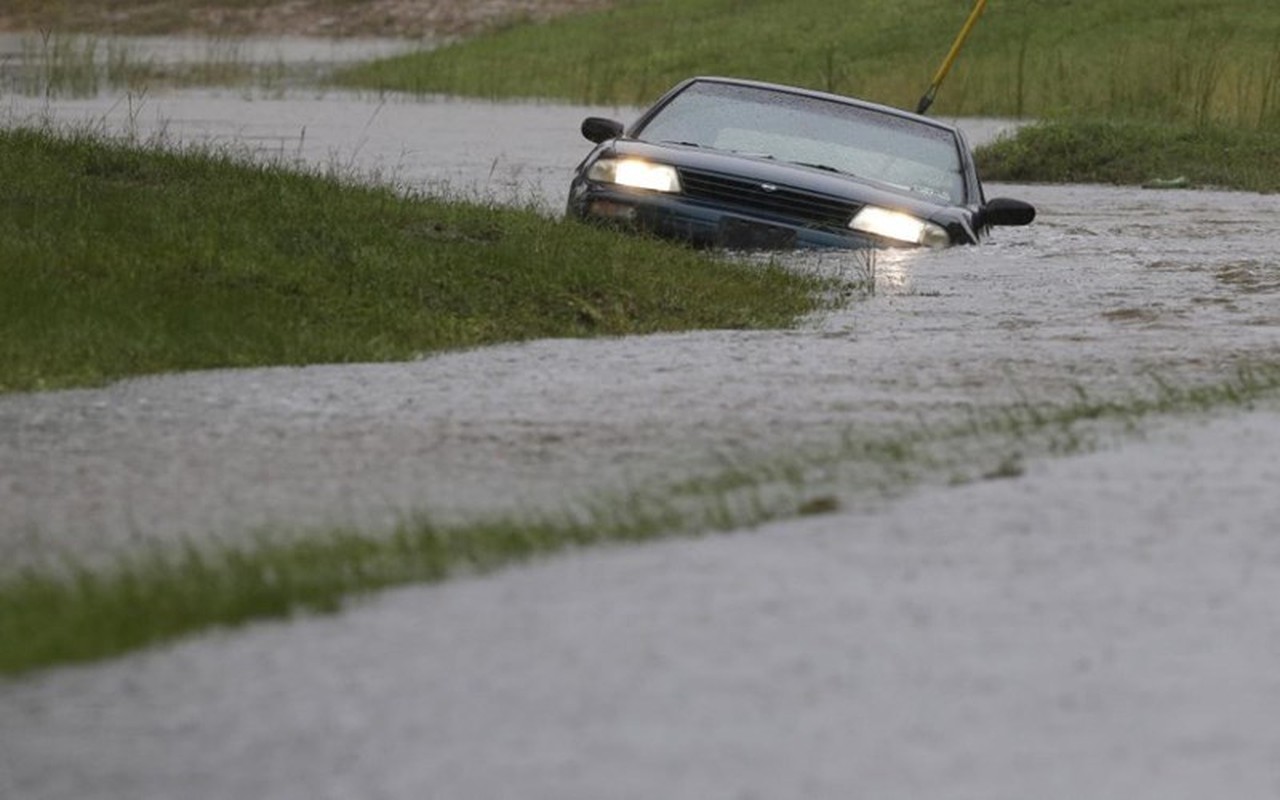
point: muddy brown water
(1109, 287)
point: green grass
(118, 261)
(1135, 153)
(78, 614)
(72, 614)
(1170, 60)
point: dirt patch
(331, 18)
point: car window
(903, 153)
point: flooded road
(1109, 287)
(1103, 626)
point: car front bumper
(674, 216)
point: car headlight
(635, 173)
(900, 227)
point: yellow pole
(941, 74)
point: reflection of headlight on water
(861, 272)
(867, 271)
(893, 268)
(854, 267)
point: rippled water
(42, 63)
(1109, 287)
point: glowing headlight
(899, 227)
(636, 174)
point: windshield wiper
(823, 167)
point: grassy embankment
(115, 261)
(1129, 90)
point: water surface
(1110, 290)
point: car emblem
(768, 187)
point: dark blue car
(741, 164)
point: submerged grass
(58, 64)
(74, 614)
(117, 261)
(82, 615)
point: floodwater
(1103, 626)
(1109, 287)
(29, 60)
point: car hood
(850, 188)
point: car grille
(797, 206)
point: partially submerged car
(742, 164)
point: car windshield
(886, 148)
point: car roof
(799, 90)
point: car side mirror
(1004, 211)
(600, 129)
